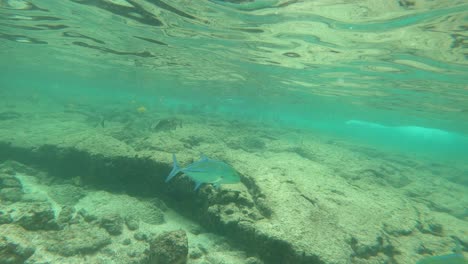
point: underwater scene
(233, 131)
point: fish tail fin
(175, 168)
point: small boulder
(126, 242)
(66, 194)
(9, 182)
(132, 223)
(196, 253)
(169, 248)
(113, 224)
(140, 236)
(87, 216)
(5, 218)
(39, 216)
(77, 240)
(65, 215)
(7, 171)
(11, 194)
(12, 252)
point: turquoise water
(313, 65)
(388, 76)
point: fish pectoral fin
(217, 183)
(197, 185)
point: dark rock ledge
(229, 212)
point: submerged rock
(13, 168)
(87, 216)
(102, 204)
(7, 170)
(9, 181)
(169, 248)
(11, 194)
(65, 215)
(166, 124)
(38, 216)
(126, 242)
(140, 236)
(5, 218)
(132, 223)
(113, 224)
(11, 188)
(12, 252)
(154, 216)
(195, 253)
(66, 194)
(77, 239)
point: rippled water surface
(407, 56)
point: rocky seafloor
(49, 220)
(83, 184)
